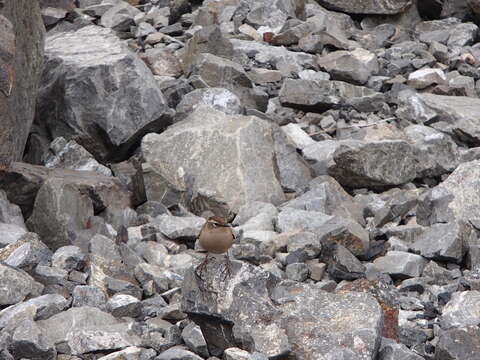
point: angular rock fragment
(401, 264)
(16, 285)
(378, 7)
(462, 310)
(234, 150)
(131, 105)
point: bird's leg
(200, 268)
(227, 270)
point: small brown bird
(216, 237)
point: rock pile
(339, 138)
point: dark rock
(342, 264)
(22, 44)
(67, 67)
(193, 337)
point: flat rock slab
(229, 158)
(377, 7)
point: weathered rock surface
(21, 47)
(379, 7)
(127, 109)
(246, 177)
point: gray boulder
(22, 46)
(458, 344)
(132, 105)
(29, 341)
(26, 253)
(60, 213)
(10, 213)
(10, 233)
(462, 310)
(240, 147)
(119, 17)
(358, 164)
(401, 264)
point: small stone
(121, 305)
(297, 271)
(69, 258)
(193, 338)
(86, 295)
(423, 78)
(401, 264)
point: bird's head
(217, 221)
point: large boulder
(98, 92)
(229, 157)
(21, 60)
(22, 181)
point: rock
(23, 181)
(51, 16)
(193, 338)
(86, 329)
(70, 155)
(303, 246)
(69, 258)
(86, 295)
(461, 310)
(321, 95)
(437, 154)
(293, 171)
(264, 76)
(60, 213)
(423, 78)
(218, 72)
(297, 271)
(356, 66)
(360, 164)
(218, 98)
(175, 227)
(458, 344)
(16, 285)
(346, 317)
(343, 264)
(22, 44)
(326, 227)
(121, 305)
(10, 233)
(69, 66)
(119, 17)
(26, 253)
(445, 242)
(287, 62)
(454, 115)
(177, 353)
(391, 350)
(10, 213)
(162, 62)
(256, 216)
(377, 7)
(236, 354)
(223, 196)
(28, 341)
(400, 264)
(130, 353)
(455, 198)
(297, 136)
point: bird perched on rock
(216, 237)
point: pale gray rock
(358, 164)
(86, 295)
(355, 66)
(287, 62)
(256, 246)
(10, 233)
(29, 341)
(401, 264)
(256, 216)
(87, 329)
(178, 353)
(377, 7)
(60, 213)
(232, 143)
(462, 310)
(175, 227)
(130, 353)
(456, 198)
(436, 153)
(119, 17)
(303, 246)
(16, 285)
(297, 136)
(391, 350)
(23, 181)
(10, 213)
(423, 78)
(126, 115)
(297, 271)
(70, 155)
(162, 62)
(445, 242)
(122, 305)
(69, 258)
(458, 344)
(26, 253)
(193, 338)
(321, 95)
(218, 98)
